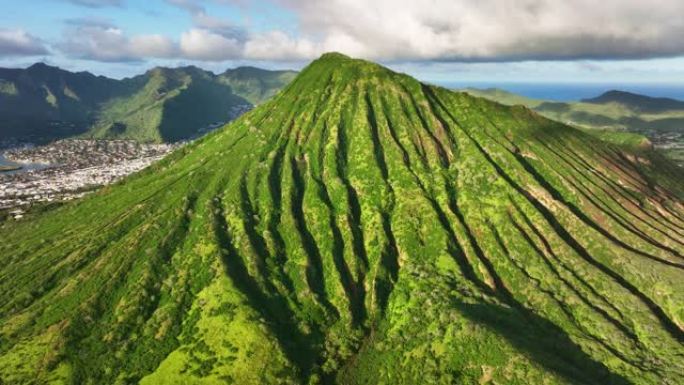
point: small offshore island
(4, 168)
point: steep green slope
(359, 228)
(44, 103)
(616, 116)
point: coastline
(7, 168)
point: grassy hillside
(43, 103)
(614, 116)
(359, 228)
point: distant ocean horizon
(566, 92)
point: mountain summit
(359, 228)
(638, 102)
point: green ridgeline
(359, 228)
(42, 103)
(255, 84)
(166, 105)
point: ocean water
(575, 91)
(25, 167)
(4, 161)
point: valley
(67, 169)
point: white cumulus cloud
(411, 30)
(101, 41)
(203, 44)
(16, 42)
(278, 45)
(493, 30)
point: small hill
(359, 228)
(639, 103)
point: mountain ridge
(369, 228)
(44, 102)
(639, 102)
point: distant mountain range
(163, 105)
(616, 116)
(370, 229)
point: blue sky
(618, 41)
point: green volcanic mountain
(164, 104)
(359, 228)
